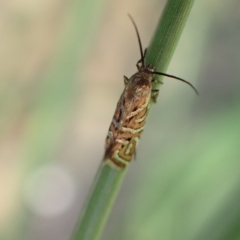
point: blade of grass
(167, 35)
(108, 180)
(105, 189)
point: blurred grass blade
(58, 86)
(56, 93)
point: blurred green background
(62, 67)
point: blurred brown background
(62, 66)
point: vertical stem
(106, 187)
(167, 34)
(109, 180)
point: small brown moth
(131, 112)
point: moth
(131, 112)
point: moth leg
(154, 95)
(137, 65)
(140, 60)
(125, 79)
(155, 92)
(145, 52)
(144, 55)
(135, 155)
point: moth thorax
(142, 87)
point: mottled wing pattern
(128, 121)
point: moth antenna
(139, 40)
(180, 79)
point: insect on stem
(131, 112)
(154, 72)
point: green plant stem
(108, 182)
(167, 35)
(106, 186)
